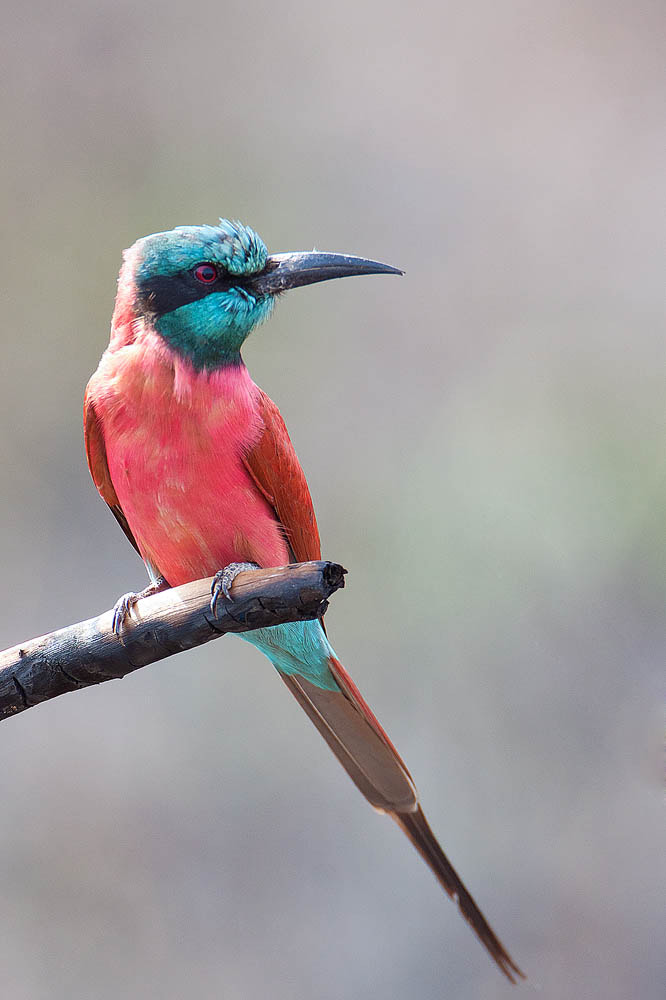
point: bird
(196, 464)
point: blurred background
(485, 441)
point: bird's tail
(416, 827)
(324, 689)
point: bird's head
(204, 288)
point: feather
(343, 717)
(93, 435)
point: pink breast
(175, 442)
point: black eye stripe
(161, 293)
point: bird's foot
(122, 609)
(223, 579)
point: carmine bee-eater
(195, 462)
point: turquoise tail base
(297, 648)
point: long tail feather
(373, 767)
(415, 826)
(359, 742)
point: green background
(485, 441)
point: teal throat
(211, 331)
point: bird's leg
(123, 606)
(224, 578)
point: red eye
(205, 273)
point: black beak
(289, 270)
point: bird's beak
(289, 270)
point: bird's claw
(223, 580)
(122, 610)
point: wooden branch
(89, 652)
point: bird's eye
(205, 273)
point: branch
(161, 625)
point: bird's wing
(343, 717)
(93, 434)
(277, 473)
